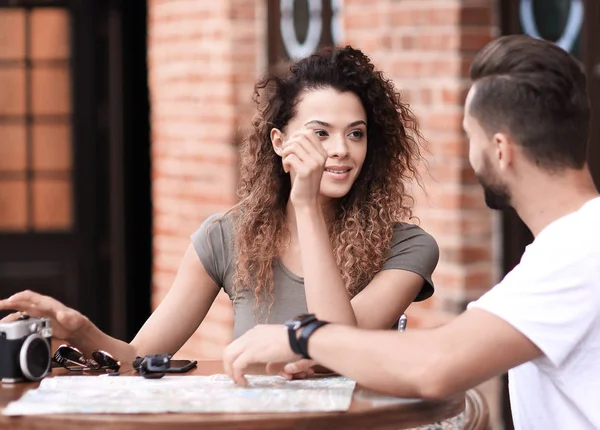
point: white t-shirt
(553, 297)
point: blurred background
(120, 119)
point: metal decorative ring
(572, 28)
(337, 27)
(294, 48)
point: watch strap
(308, 330)
(293, 340)
(293, 326)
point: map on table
(191, 394)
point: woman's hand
(66, 323)
(304, 156)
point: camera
(25, 349)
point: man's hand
(266, 344)
(296, 370)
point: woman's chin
(334, 192)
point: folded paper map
(190, 394)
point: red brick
(473, 39)
(451, 145)
(446, 14)
(467, 229)
(439, 40)
(476, 15)
(464, 277)
(455, 95)
(444, 120)
(406, 67)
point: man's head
(527, 109)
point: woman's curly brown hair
(364, 220)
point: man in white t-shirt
(527, 119)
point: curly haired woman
(318, 228)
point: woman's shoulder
(221, 220)
(405, 231)
(218, 227)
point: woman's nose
(338, 148)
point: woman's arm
(181, 311)
(377, 306)
(326, 294)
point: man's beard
(496, 197)
(495, 192)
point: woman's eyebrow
(316, 121)
(355, 123)
(326, 124)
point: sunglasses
(73, 360)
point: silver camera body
(25, 349)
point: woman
(324, 171)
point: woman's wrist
(308, 208)
(82, 336)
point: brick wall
(203, 57)
(426, 47)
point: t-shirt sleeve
(416, 251)
(551, 298)
(209, 241)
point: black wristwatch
(293, 326)
(309, 323)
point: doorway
(75, 210)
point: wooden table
(364, 413)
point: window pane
(13, 149)
(12, 91)
(12, 34)
(51, 204)
(13, 205)
(50, 93)
(51, 147)
(49, 34)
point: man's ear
(277, 140)
(504, 148)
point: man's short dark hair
(536, 92)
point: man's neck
(544, 198)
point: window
(35, 119)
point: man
(527, 118)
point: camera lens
(35, 357)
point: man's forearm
(326, 294)
(385, 361)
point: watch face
(302, 317)
(300, 321)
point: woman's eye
(357, 134)
(321, 133)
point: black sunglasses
(73, 360)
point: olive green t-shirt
(412, 249)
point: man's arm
(434, 363)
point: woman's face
(339, 121)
